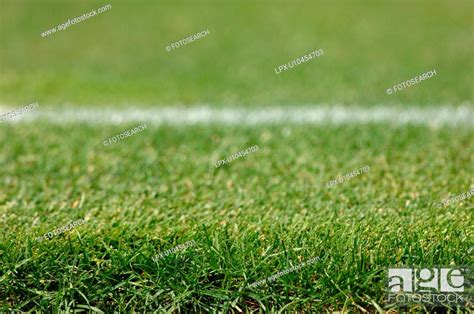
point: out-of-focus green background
(260, 214)
(119, 57)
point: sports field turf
(260, 214)
(119, 56)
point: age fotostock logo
(430, 285)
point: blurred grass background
(260, 214)
(119, 57)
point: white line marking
(462, 115)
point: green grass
(119, 57)
(260, 214)
(250, 219)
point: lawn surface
(259, 215)
(119, 56)
(252, 218)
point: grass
(260, 214)
(252, 218)
(119, 57)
